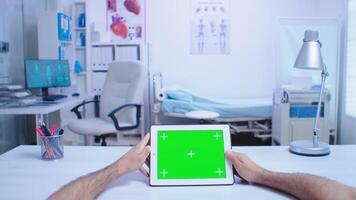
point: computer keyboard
(54, 97)
(21, 94)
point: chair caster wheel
(103, 143)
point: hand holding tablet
(190, 155)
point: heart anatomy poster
(210, 27)
(126, 20)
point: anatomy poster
(126, 20)
(210, 27)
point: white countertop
(23, 175)
(44, 109)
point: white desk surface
(25, 176)
(33, 110)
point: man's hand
(245, 167)
(91, 185)
(135, 158)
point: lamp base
(306, 148)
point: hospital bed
(251, 115)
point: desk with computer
(40, 74)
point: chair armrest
(116, 123)
(76, 111)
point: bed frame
(260, 127)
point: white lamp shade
(309, 56)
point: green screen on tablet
(190, 154)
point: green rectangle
(190, 154)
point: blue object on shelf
(77, 67)
(81, 20)
(82, 39)
(305, 110)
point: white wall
(11, 12)
(31, 10)
(253, 50)
(250, 69)
(254, 41)
(347, 124)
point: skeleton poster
(210, 27)
(126, 20)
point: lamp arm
(316, 130)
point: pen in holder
(51, 141)
(52, 147)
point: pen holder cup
(52, 147)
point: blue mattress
(181, 102)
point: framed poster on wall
(126, 20)
(210, 27)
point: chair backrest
(124, 84)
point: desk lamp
(310, 57)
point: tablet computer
(190, 155)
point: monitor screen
(47, 73)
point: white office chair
(119, 107)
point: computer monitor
(44, 74)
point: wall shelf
(81, 53)
(80, 28)
(82, 74)
(93, 44)
(65, 42)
